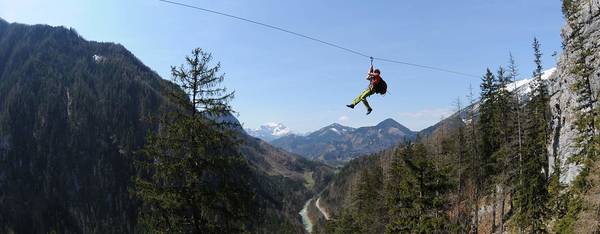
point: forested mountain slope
(74, 114)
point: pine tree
(475, 162)
(460, 142)
(517, 108)
(557, 201)
(513, 161)
(488, 111)
(461, 151)
(344, 224)
(416, 193)
(504, 130)
(504, 108)
(194, 180)
(532, 192)
(367, 202)
(400, 193)
(541, 109)
(489, 126)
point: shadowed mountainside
(73, 115)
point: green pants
(363, 97)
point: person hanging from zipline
(376, 85)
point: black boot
(369, 111)
(351, 106)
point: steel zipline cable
(426, 67)
(317, 40)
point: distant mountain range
(269, 131)
(336, 144)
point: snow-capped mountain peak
(270, 131)
(335, 128)
(277, 129)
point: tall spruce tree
(366, 212)
(540, 101)
(367, 201)
(502, 123)
(193, 178)
(532, 193)
(416, 193)
(513, 73)
(504, 107)
(513, 137)
(488, 121)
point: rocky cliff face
(583, 23)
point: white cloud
(343, 118)
(271, 124)
(424, 118)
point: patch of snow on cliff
(98, 58)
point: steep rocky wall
(584, 22)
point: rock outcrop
(583, 26)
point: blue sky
(305, 85)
